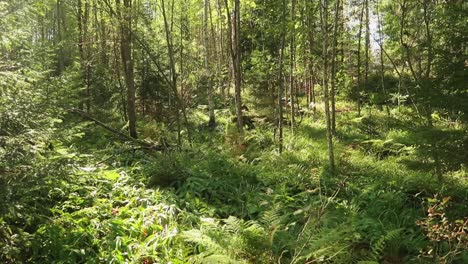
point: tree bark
(280, 79)
(212, 118)
(292, 65)
(358, 88)
(81, 50)
(324, 18)
(367, 47)
(127, 61)
(238, 68)
(382, 68)
(172, 75)
(310, 37)
(234, 41)
(61, 54)
(334, 68)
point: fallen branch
(144, 144)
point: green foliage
(122, 221)
(209, 206)
(74, 192)
(230, 241)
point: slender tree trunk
(82, 21)
(212, 119)
(427, 72)
(367, 51)
(127, 61)
(118, 76)
(81, 49)
(238, 71)
(234, 41)
(310, 37)
(358, 88)
(324, 18)
(221, 55)
(280, 79)
(104, 46)
(61, 55)
(183, 19)
(87, 55)
(382, 69)
(407, 55)
(292, 64)
(173, 75)
(180, 99)
(334, 68)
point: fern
(200, 238)
(234, 225)
(227, 240)
(272, 219)
(219, 259)
(379, 246)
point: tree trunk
(367, 51)
(81, 50)
(382, 69)
(280, 79)
(334, 67)
(310, 37)
(104, 47)
(212, 119)
(221, 57)
(87, 55)
(357, 93)
(234, 41)
(61, 54)
(292, 65)
(324, 18)
(173, 75)
(427, 74)
(238, 71)
(127, 61)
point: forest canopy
(229, 131)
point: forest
(234, 131)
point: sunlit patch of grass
(233, 197)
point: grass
(227, 201)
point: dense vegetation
(261, 131)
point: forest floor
(103, 201)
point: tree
(292, 92)
(357, 92)
(311, 68)
(235, 51)
(324, 22)
(334, 66)
(210, 90)
(125, 15)
(367, 46)
(83, 50)
(172, 65)
(281, 78)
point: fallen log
(145, 145)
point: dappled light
(229, 131)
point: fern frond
(220, 259)
(379, 246)
(233, 225)
(272, 219)
(199, 238)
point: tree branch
(144, 144)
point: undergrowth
(101, 202)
